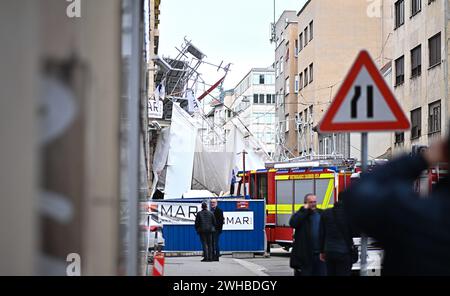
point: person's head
(204, 205)
(310, 200)
(213, 203)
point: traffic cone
(158, 264)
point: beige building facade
(420, 70)
(286, 85)
(330, 35)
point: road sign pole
(364, 239)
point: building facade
(284, 36)
(254, 104)
(328, 43)
(420, 69)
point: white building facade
(254, 104)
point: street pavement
(192, 266)
(276, 265)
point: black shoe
(204, 260)
(216, 259)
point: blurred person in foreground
(414, 231)
(306, 248)
(336, 241)
(205, 225)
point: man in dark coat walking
(218, 215)
(336, 241)
(205, 225)
(306, 249)
(413, 230)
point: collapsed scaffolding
(180, 153)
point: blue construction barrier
(183, 238)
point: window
(434, 117)
(296, 87)
(281, 65)
(286, 123)
(300, 78)
(287, 51)
(416, 6)
(261, 99)
(261, 79)
(269, 79)
(416, 123)
(268, 99)
(399, 137)
(399, 70)
(306, 77)
(277, 69)
(399, 13)
(296, 48)
(255, 99)
(310, 73)
(416, 61)
(434, 47)
(306, 35)
(311, 31)
(300, 42)
(300, 117)
(286, 87)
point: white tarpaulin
(160, 159)
(255, 158)
(213, 169)
(183, 133)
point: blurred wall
(18, 131)
(60, 84)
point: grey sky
(235, 31)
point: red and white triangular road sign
(364, 102)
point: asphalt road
(276, 265)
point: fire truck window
(284, 208)
(252, 186)
(321, 190)
(262, 186)
(302, 187)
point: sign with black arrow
(364, 102)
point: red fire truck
(284, 185)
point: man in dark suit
(205, 225)
(218, 214)
(305, 255)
